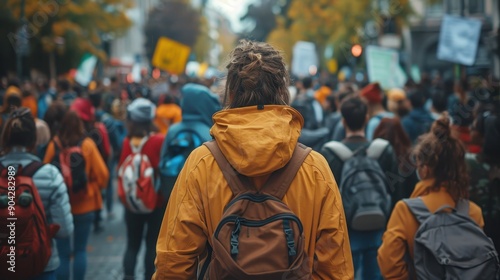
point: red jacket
(152, 149)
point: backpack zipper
(254, 198)
(253, 223)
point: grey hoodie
(54, 194)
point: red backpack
(71, 163)
(25, 236)
(136, 181)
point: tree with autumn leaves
(339, 23)
(62, 29)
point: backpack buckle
(234, 238)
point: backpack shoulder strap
(462, 207)
(138, 149)
(237, 182)
(279, 182)
(339, 149)
(376, 148)
(418, 209)
(30, 169)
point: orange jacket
(256, 143)
(97, 174)
(166, 115)
(402, 227)
(30, 102)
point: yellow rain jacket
(256, 143)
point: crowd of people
(350, 207)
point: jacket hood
(257, 141)
(199, 103)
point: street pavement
(105, 250)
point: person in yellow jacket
(257, 133)
(441, 167)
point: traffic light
(356, 50)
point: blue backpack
(116, 130)
(176, 151)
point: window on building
(476, 7)
(453, 7)
(435, 10)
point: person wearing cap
(373, 95)
(397, 102)
(84, 204)
(140, 115)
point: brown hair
(72, 130)
(19, 130)
(391, 130)
(54, 116)
(256, 75)
(444, 154)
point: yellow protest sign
(170, 55)
(332, 66)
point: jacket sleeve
(98, 170)
(333, 259)
(392, 252)
(183, 234)
(59, 209)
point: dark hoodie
(417, 122)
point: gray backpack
(363, 185)
(450, 245)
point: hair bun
(250, 73)
(442, 126)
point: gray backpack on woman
(450, 245)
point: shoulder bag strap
(279, 182)
(30, 169)
(237, 182)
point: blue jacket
(54, 194)
(417, 122)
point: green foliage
(67, 28)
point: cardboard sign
(383, 67)
(458, 39)
(304, 58)
(171, 56)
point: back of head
(307, 82)
(354, 112)
(391, 130)
(140, 114)
(256, 75)
(72, 130)
(63, 85)
(444, 155)
(439, 101)
(19, 131)
(417, 98)
(54, 116)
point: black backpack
(363, 186)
